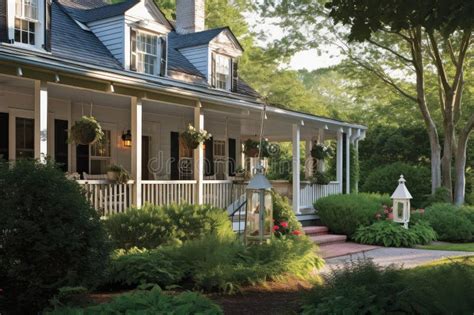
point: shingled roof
(79, 10)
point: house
(144, 77)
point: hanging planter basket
(86, 131)
(321, 152)
(192, 137)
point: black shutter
(47, 25)
(82, 159)
(4, 136)
(174, 156)
(164, 56)
(232, 156)
(235, 75)
(61, 155)
(209, 158)
(133, 50)
(4, 21)
(213, 70)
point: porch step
(315, 230)
(328, 239)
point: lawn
(463, 247)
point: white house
(133, 69)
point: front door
(145, 157)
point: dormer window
(223, 72)
(148, 53)
(26, 18)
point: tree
(417, 48)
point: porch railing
(310, 193)
(108, 198)
(168, 192)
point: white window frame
(223, 67)
(101, 157)
(142, 54)
(39, 23)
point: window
(219, 159)
(26, 16)
(25, 138)
(100, 155)
(223, 74)
(147, 53)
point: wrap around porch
(39, 113)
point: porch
(36, 115)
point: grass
(463, 247)
(465, 260)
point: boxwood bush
(383, 180)
(153, 226)
(343, 214)
(365, 288)
(148, 302)
(451, 223)
(50, 236)
(390, 234)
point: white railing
(108, 197)
(310, 193)
(220, 193)
(165, 192)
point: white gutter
(165, 85)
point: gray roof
(194, 39)
(69, 41)
(79, 10)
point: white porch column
(296, 168)
(339, 164)
(321, 138)
(356, 148)
(41, 120)
(199, 157)
(308, 159)
(137, 126)
(348, 161)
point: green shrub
(153, 226)
(384, 179)
(50, 236)
(148, 302)
(451, 223)
(284, 217)
(215, 264)
(345, 213)
(390, 234)
(364, 288)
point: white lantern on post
(259, 210)
(401, 203)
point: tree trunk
(460, 186)
(446, 161)
(435, 159)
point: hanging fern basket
(189, 141)
(86, 131)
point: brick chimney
(190, 16)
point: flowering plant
(321, 152)
(386, 213)
(282, 228)
(193, 137)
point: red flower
(276, 228)
(296, 232)
(390, 216)
(284, 224)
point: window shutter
(47, 25)
(133, 50)
(232, 156)
(209, 157)
(164, 56)
(235, 75)
(213, 70)
(4, 21)
(82, 159)
(4, 136)
(61, 155)
(174, 156)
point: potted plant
(86, 131)
(193, 137)
(240, 174)
(319, 178)
(116, 173)
(321, 152)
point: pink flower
(296, 232)
(390, 216)
(385, 211)
(276, 228)
(284, 224)
(378, 216)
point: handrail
(100, 182)
(161, 182)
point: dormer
(26, 23)
(213, 52)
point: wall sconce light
(56, 78)
(19, 72)
(127, 139)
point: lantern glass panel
(259, 226)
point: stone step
(315, 230)
(328, 239)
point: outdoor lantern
(401, 203)
(259, 211)
(127, 139)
